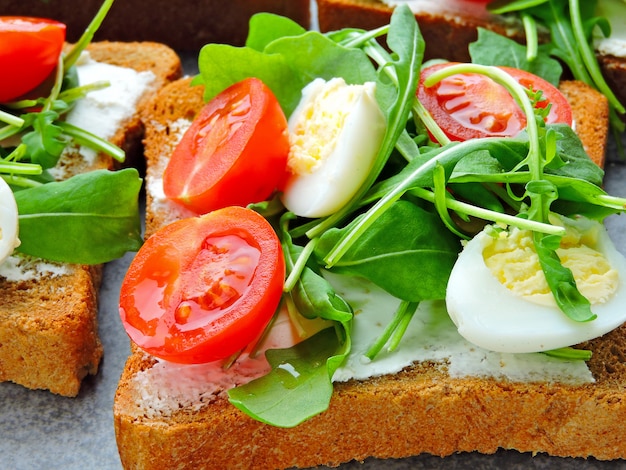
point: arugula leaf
(45, 142)
(78, 220)
(405, 240)
(285, 64)
(267, 27)
(222, 65)
(494, 49)
(299, 385)
(561, 280)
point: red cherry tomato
(234, 153)
(29, 52)
(468, 106)
(203, 288)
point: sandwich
(76, 138)
(351, 362)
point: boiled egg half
(498, 297)
(8, 221)
(335, 133)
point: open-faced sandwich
(351, 252)
(69, 117)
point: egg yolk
(512, 259)
(314, 136)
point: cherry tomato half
(29, 52)
(468, 106)
(203, 288)
(234, 153)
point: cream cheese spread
(102, 112)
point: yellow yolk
(315, 133)
(513, 261)
(335, 133)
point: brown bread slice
(48, 325)
(447, 30)
(419, 410)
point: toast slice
(48, 311)
(448, 27)
(167, 420)
(182, 25)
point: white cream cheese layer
(102, 112)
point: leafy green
(561, 280)
(571, 24)
(494, 49)
(404, 240)
(78, 220)
(284, 63)
(299, 385)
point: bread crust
(48, 327)
(419, 410)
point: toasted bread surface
(419, 410)
(48, 325)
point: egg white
(489, 315)
(334, 180)
(9, 227)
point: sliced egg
(498, 297)
(8, 221)
(335, 133)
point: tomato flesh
(29, 51)
(234, 153)
(468, 106)
(203, 288)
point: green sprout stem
(72, 57)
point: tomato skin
(29, 52)
(470, 106)
(192, 295)
(234, 153)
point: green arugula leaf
(494, 49)
(45, 142)
(90, 218)
(561, 280)
(299, 385)
(405, 240)
(267, 27)
(222, 65)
